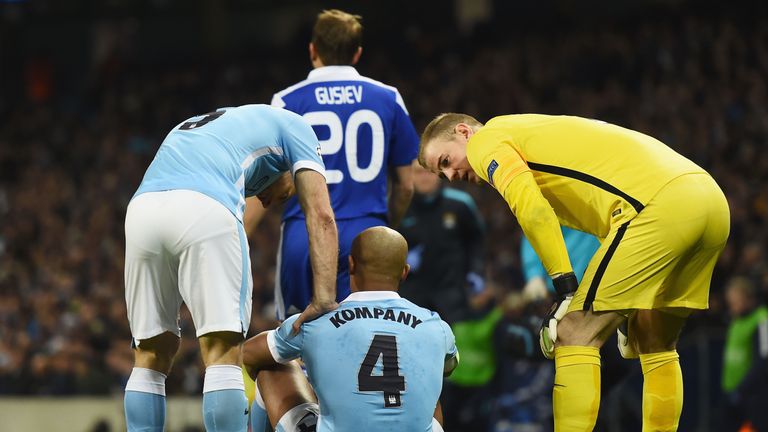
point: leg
(145, 390)
(225, 406)
(216, 284)
(288, 397)
(655, 334)
(576, 396)
(152, 301)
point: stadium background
(88, 90)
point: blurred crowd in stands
(68, 170)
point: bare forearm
(398, 203)
(323, 254)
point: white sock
(146, 381)
(223, 377)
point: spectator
(745, 361)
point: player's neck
(374, 284)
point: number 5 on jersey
(348, 136)
(390, 381)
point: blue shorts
(293, 284)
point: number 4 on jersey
(390, 381)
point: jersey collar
(331, 73)
(371, 296)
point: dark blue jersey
(363, 129)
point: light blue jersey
(233, 153)
(581, 246)
(376, 363)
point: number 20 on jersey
(346, 137)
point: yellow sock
(576, 397)
(662, 391)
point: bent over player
(376, 363)
(663, 222)
(185, 243)
(366, 139)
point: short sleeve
(450, 340)
(404, 141)
(494, 159)
(283, 345)
(277, 101)
(302, 150)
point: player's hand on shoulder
(313, 311)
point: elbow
(536, 217)
(322, 217)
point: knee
(157, 353)
(221, 348)
(653, 333)
(586, 328)
(569, 333)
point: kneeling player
(377, 361)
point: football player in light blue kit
(365, 134)
(185, 243)
(376, 363)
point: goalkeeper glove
(565, 286)
(626, 350)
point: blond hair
(336, 36)
(443, 126)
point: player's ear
(406, 270)
(463, 129)
(351, 265)
(356, 57)
(312, 52)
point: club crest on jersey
(449, 220)
(492, 169)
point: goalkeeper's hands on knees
(565, 286)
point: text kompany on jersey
(377, 361)
(363, 128)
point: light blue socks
(259, 418)
(225, 407)
(145, 401)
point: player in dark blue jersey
(365, 135)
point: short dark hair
(336, 36)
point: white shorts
(181, 245)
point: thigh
(293, 275)
(587, 328)
(214, 268)
(653, 331)
(151, 285)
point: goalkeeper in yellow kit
(663, 222)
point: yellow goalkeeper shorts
(664, 257)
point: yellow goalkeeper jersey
(585, 174)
